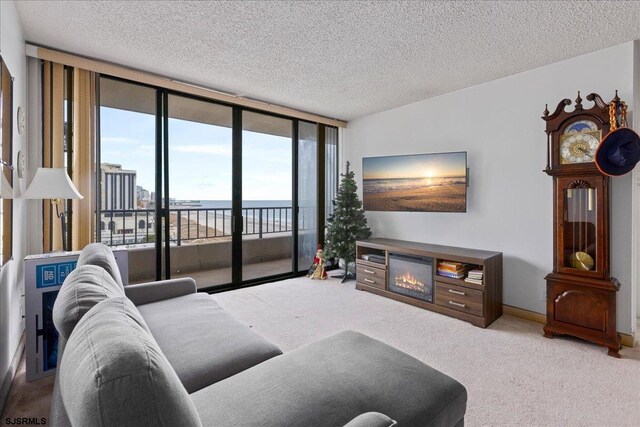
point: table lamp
(54, 184)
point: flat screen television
(416, 183)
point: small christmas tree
(347, 223)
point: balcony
(200, 240)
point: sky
(415, 166)
(199, 157)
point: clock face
(579, 147)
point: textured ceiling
(338, 59)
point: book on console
(450, 264)
(450, 274)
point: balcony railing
(137, 226)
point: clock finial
(578, 102)
(546, 110)
(616, 99)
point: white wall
(509, 197)
(12, 49)
(635, 179)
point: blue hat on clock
(618, 152)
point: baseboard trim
(524, 314)
(8, 380)
(627, 340)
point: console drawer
(371, 276)
(459, 298)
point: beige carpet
(513, 375)
(27, 399)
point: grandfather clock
(581, 296)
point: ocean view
(226, 204)
(276, 215)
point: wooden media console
(478, 302)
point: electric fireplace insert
(411, 276)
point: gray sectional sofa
(161, 354)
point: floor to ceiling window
(127, 172)
(200, 189)
(307, 193)
(186, 183)
(331, 169)
(267, 215)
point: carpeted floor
(27, 399)
(514, 376)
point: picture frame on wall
(435, 182)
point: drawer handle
(453, 291)
(457, 304)
(369, 271)
(369, 281)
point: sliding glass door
(199, 171)
(267, 189)
(126, 176)
(195, 188)
(307, 194)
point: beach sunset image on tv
(419, 182)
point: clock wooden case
(581, 295)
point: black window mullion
(236, 198)
(321, 183)
(98, 197)
(167, 216)
(68, 218)
(295, 209)
(158, 201)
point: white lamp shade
(51, 183)
(6, 192)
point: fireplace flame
(409, 282)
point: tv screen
(416, 183)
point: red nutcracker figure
(316, 271)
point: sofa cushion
(100, 254)
(145, 293)
(114, 374)
(83, 288)
(202, 341)
(330, 382)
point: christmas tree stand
(347, 275)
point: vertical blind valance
(119, 71)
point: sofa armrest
(145, 293)
(371, 419)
